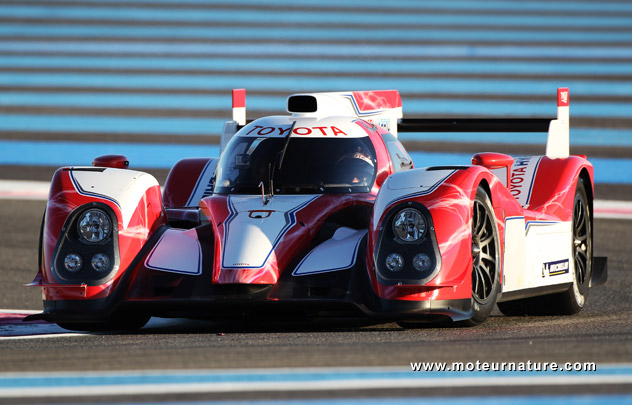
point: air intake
(302, 104)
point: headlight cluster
(407, 250)
(88, 252)
(409, 226)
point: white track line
(24, 190)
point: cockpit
(310, 165)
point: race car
(322, 213)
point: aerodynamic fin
(557, 144)
(239, 117)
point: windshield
(309, 166)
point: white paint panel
(337, 253)
(307, 126)
(124, 187)
(515, 259)
(501, 173)
(548, 242)
(249, 241)
(177, 251)
(407, 184)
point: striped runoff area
(327, 381)
(152, 78)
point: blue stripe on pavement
(320, 66)
(413, 107)
(290, 84)
(578, 136)
(246, 15)
(484, 5)
(605, 399)
(213, 126)
(331, 50)
(123, 378)
(464, 400)
(120, 125)
(281, 32)
(38, 153)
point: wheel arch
(485, 186)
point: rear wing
(384, 108)
(557, 145)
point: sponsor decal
(521, 179)
(260, 130)
(260, 214)
(562, 97)
(380, 122)
(555, 268)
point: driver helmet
(356, 168)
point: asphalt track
(601, 333)
(158, 73)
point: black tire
(40, 246)
(128, 323)
(485, 259)
(572, 301)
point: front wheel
(127, 323)
(485, 259)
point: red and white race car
(321, 213)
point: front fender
(130, 198)
(447, 194)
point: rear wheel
(573, 300)
(485, 259)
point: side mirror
(499, 163)
(114, 161)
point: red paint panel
(377, 100)
(563, 97)
(182, 180)
(239, 98)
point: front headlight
(100, 262)
(409, 225)
(94, 226)
(73, 262)
(394, 262)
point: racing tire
(485, 259)
(574, 299)
(128, 323)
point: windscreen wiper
(287, 142)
